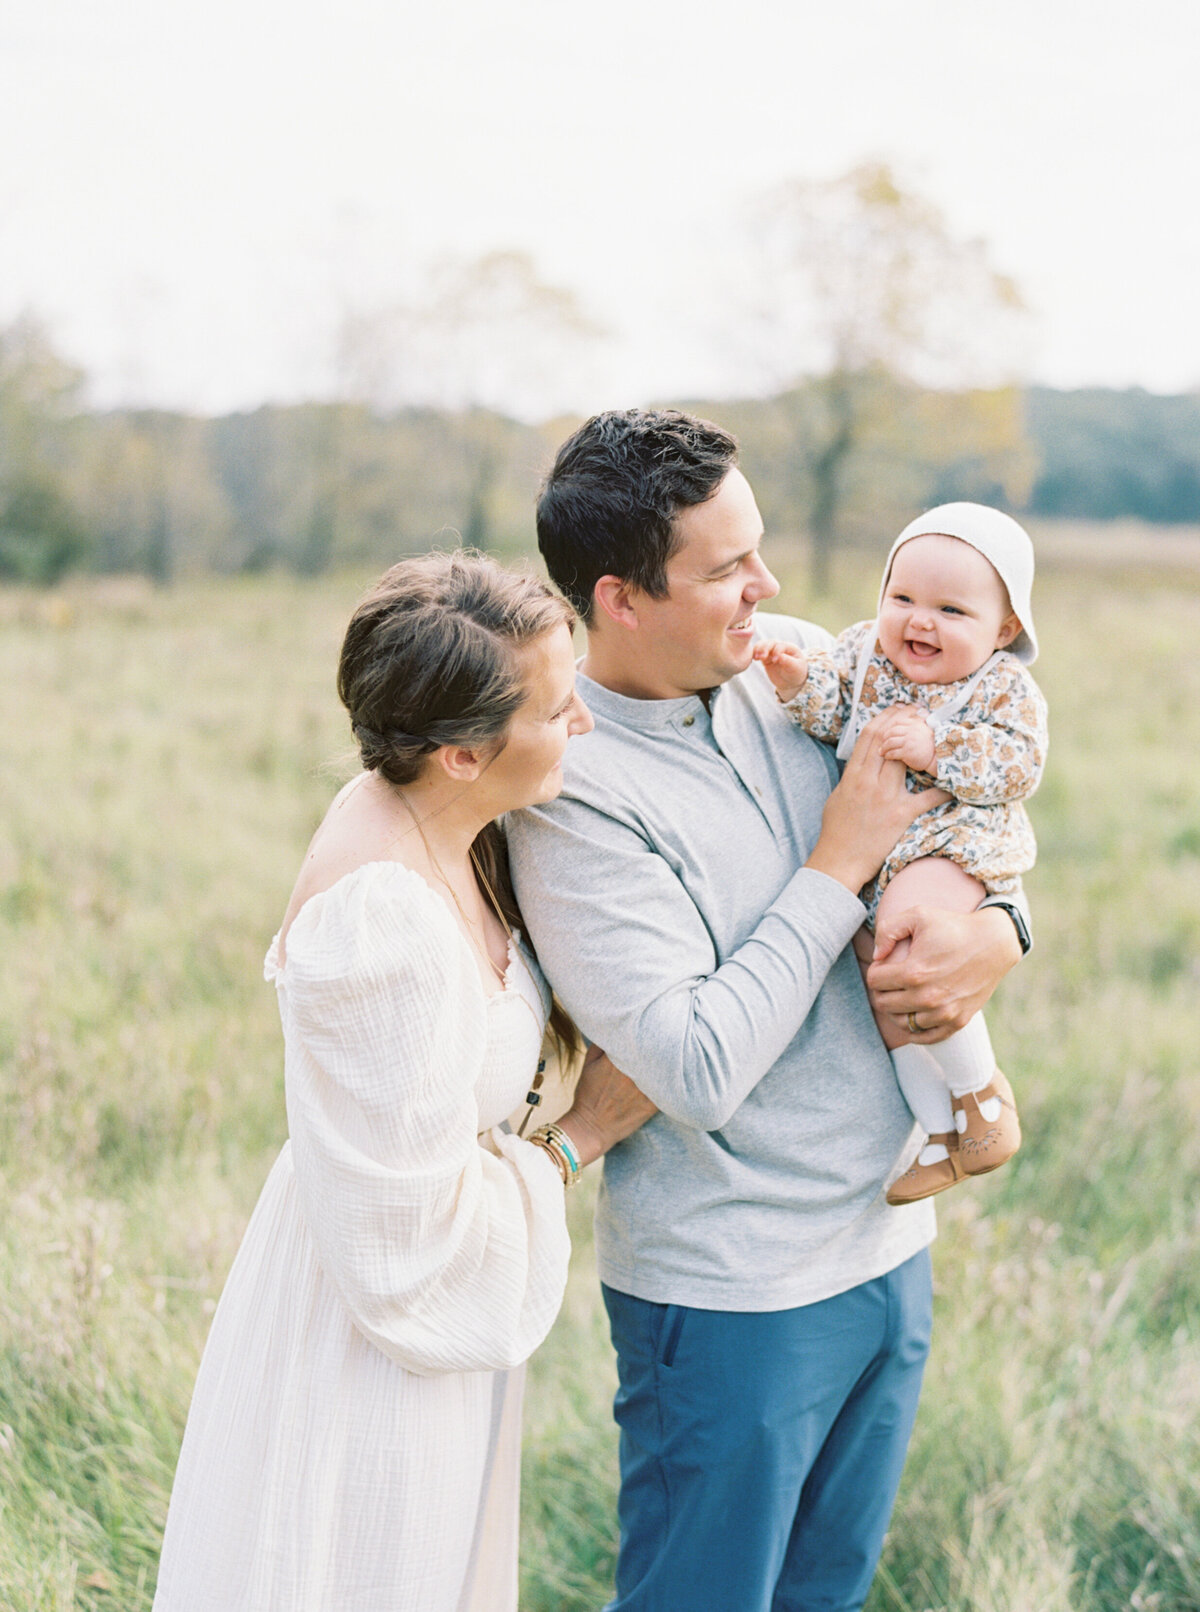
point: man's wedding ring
(912, 1023)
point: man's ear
(617, 599)
(1010, 628)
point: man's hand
(906, 736)
(867, 813)
(785, 665)
(939, 966)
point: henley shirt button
(688, 721)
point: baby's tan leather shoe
(923, 1180)
(989, 1130)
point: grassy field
(163, 759)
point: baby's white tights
(930, 1076)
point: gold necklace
(533, 1095)
(469, 924)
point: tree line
(319, 485)
(874, 334)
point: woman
(353, 1441)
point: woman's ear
(458, 762)
(616, 598)
(1010, 628)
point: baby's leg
(931, 881)
(965, 1058)
(930, 1076)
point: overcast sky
(190, 189)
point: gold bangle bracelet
(564, 1143)
(560, 1161)
(556, 1141)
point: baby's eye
(951, 610)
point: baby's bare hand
(867, 812)
(784, 664)
(906, 736)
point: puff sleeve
(996, 751)
(450, 1256)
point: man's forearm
(633, 963)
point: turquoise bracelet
(557, 1141)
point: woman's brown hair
(430, 657)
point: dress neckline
(274, 968)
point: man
(692, 895)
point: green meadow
(164, 757)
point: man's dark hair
(609, 504)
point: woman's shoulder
(376, 918)
(375, 976)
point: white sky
(190, 189)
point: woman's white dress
(354, 1438)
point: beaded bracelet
(560, 1146)
(557, 1134)
(551, 1152)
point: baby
(946, 660)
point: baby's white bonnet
(1001, 540)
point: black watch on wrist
(1024, 938)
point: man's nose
(761, 584)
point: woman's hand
(868, 812)
(606, 1109)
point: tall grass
(163, 759)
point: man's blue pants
(761, 1451)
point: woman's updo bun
(429, 657)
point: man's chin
(739, 657)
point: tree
(41, 535)
(482, 337)
(485, 332)
(862, 297)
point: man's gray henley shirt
(666, 895)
